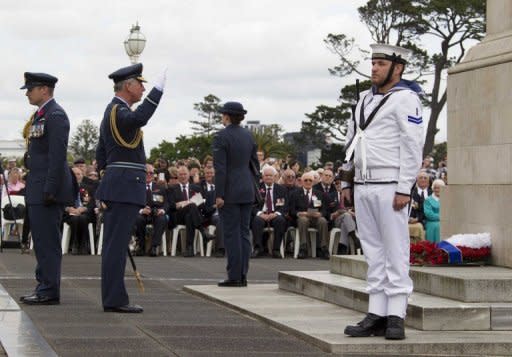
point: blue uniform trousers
(236, 220)
(45, 222)
(118, 219)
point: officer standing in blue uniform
(120, 154)
(49, 187)
(233, 152)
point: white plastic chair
(312, 238)
(7, 223)
(66, 237)
(209, 246)
(334, 241)
(180, 230)
(270, 241)
(100, 242)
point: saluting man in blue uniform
(120, 154)
(49, 187)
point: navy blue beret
(122, 74)
(233, 108)
(38, 79)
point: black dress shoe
(219, 253)
(371, 325)
(303, 252)
(325, 253)
(395, 328)
(276, 254)
(256, 252)
(207, 236)
(153, 252)
(127, 309)
(189, 252)
(35, 299)
(232, 283)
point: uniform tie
(268, 200)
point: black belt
(127, 165)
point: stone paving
(174, 322)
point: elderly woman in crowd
(431, 211)
(14, 183)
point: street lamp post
(134, 43)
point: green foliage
(331, 122)
(83, 143)
(184, 147)
(440, 152)
(452, 25)
(269, 140)
(209, 111)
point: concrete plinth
(480, 138)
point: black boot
(395, 328)
(371, 325)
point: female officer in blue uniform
(233, 151)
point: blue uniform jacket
(124, 184)
(233, 149)
(46, 159)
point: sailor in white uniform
(385, 142)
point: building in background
(12, 148)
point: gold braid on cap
(117, 135)
(26, 129)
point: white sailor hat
(390, 52)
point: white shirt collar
(122, 100)
(48, 101)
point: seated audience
(79, 215)
(420, 191)
(185, 212)
(212, 217)
(14, 183)
(309, 208)
(431, 210)
(344, 219)
(153, 213)
(271, 213)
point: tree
(451, 24)
(269, 141)
(184, 147)
(331, 122)
(84, 141)
(209, 110)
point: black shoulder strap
(363, 124)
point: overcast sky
(269, 55)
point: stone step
(463, 283)
(321, 323)
(424, 312)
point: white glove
(160, 80)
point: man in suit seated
(212, 217)
(154, 213)
(310, 208)
(185, 212)
(79, 215)
(272, 213)
(207, 183)
(419, 193)
(326, 184)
